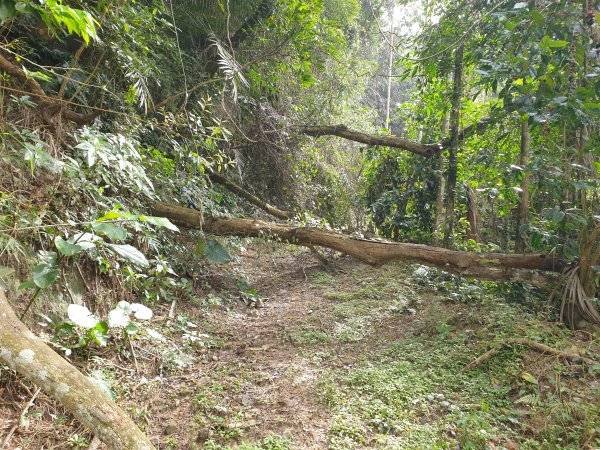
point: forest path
(273, 361)
(338, 357)
(349, 356)
(313, 318)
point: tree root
(537, 346)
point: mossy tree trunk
(30, 357)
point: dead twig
(320, 256)
(21, 416)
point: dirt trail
(285, 401)
(339, 357)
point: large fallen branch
(343, 131)
(489, 266)
(27, 354)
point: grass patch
(311, 337)
(413, 393)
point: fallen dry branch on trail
(343, 131)
(537, 346)
(488, 266)
(216, 177)
(30, 357)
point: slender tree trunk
(27, 354)
(441, 187)
(473, 214)
(390, 66)
(523, 209)
(454, 144)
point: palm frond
(229, 66)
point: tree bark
(343, 131)
(523, 210)
(240, 191)
(473, 214)
(441, 187)
(454, 143)
(27, 354)
(489, 266)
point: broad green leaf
(216, 253)
(520, 5)
(538, 18)
(112, 231)
(529, 378)
(578, 218)
(6, 271)
(111, 215)
(44, 274)
(119, 316)
(29, 284)
(7, 10)
(571, 249)
(99, 333)
(130, 253)
(85, 240)
(582, 185)
(558, 216)
(141, 312)
(67, 248)
(131, 328)
(81, 316)
(162, 222)
(555, 43)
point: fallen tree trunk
(490, 266)
(248, 196)
(27, 354)
(343, 131)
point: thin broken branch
(537, 346)
(240, 191)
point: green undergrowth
(399, 349)
(270, 442)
